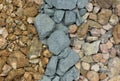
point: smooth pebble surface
(52, 25)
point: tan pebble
(107, 27)
(97, 57)
(30, 20)
(113, 19)
(47, 53)
(44, 61)
(34, 61)
(41, 70)
(93, 16)
(115, 78)
(28, 76)
(39, 2)
(85, 16)
(89, 7)
(72, 28)
(109, 44)
(78, 65)
(95, 67)
(37, 76)
(3, 43)
(104, 48)
(118, 9)
(96, 9)
(113, 52)
(103, 76)
(102, 31)
(4, 33)
(94, 24)
(85, 65)
(93, 76)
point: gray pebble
(58, 41)
(67, 63)
(70, 17)
(58, 15)
(64, 4)
(61, 27)
(51, 66)
(57, 78)
(49, 12)
(44, 25)
(82, 11)
(71, 75)
(82, 3)
(49, 2)
(45, 78)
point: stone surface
(45, 78)
(57, 42)
(95, 67)
(70, 75)
(89, 7)
(85, 65)
(82, 3)
(116, 78)
(107, 27)
(92, 48)
(105, 3)
(64, 4)
(93, 76)
(44, 29)
(82, 11)
(70, 17)
(113, 19)
(61, 27)
(67, 63)
(57, 78)
(51, 66)
(72, 28)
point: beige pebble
(85, 65)
(93, 76)
(72, 28)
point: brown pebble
(72, 28)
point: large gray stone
(58, 15)
(67, 63)
(82, 3)
(51, 66)
(70, 17)
(64, 4)
(57, 78)
(61, 27)
(45, 78)
(44, 25)
(58, 41)
(49, 2)
(71, 75)
(49, 12)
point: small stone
(67, 63)
(58, 16)
(109, 45)
(113, 19)
(3, 43)
(118, 9)
(85, 65)
(91, 48)
(93, 76)
(62, 27)
(104, 48)
(64, 4)
(82, 11)
(95, 32)
(97, 57)
(107, 27)
(87, 59)
(105, 3)
(84, 17)
(44, 29)
(116, 78)
(71, 75)
(96, 9)
(89, 7)
(51, 66)
(57, 42)
(82, 3)
(91, 38)
(103, 76)
(30, 20)
(102, 31)
(78, 65)
(30, 11)
(94, 24)
(49, 12)
(34, 61)
(2, 63)
(70, 18)
(28, 76)
(113, 52)
(95, 67)
(39, 2)
(72, 28)
(37, 76)
(93, 16)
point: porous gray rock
(58, 15)
(67, 63)
(44, 25)
(82, 3)
(64, 4)
(45, 78)
(71, 75)
(58, 41)
(70, 17)
(51, 66)
(57, 78)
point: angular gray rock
(45, 78)
(44, 25)
(51, 66)
(91, 48)
(61, 27)
(64, 4)
(49, 12)
(82, 11)
(57, 78)
(71, 75)
(58, 41)
(58, 15)
(67, 63)
(70, 17)
(82, 3)
(49, 2)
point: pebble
(57, 42)
(30, 20)
(97, 57)
(78, 65)
(91, 38)
(94, 24)
(93, 16)
(89, 7)
(105, 3)
(107, 27)
(93, 76)
(91, 48)
(103, 76)
(61, 27)
(104, 48)
(95, 32)
(114, 19)
(85, 65)
(118, 9)
(72, 28)
(96, 9)
(87, 59)
(3, 43)
(44, 29)
(116, 78)
(64, 4)
(95, 67)
(82, 3)
(109, 44)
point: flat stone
(87, 58)
(89, 7)
(68, 62)
(57, 78)
(45, 78)
(58, 16)
(114, 19)
(82, 3)
(51, 66)
(92, 48)
(64, 4)
(61, 27)
(49, 12)
(58, 41)
(49, 2)
(93, 76)
(71, 75)
(44, 25)
(82, 11)
(85, 65)
(70, 18)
